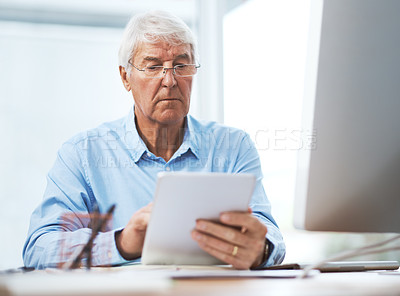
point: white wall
(55, 81)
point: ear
(124, 78)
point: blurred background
(59, 76)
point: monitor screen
(350, 180)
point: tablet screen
(182, 198)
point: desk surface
(348, 284)
(145, 283)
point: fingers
(130, 240)
(244, 221)
(234, 255)
(141, 218)
(228, 234)
(239, 241)
(218, 244)
(149, 206)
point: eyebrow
(183, 56)
(154, 59)
(149, 58)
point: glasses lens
(185, 70)
(154, 71)
(180, 70)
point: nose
(169, 77)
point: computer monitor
(350, 180)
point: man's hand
(130, 240)
(239, 240)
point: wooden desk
(346, 284)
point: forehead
(162, 51)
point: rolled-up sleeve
(52, 239)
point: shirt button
(167, 169)
(148, 154)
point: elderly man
(117, 163)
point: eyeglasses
(97, 224)
(181, 70)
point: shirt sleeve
(54, 239)
(248, 161)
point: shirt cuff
(276, 244)
(105, 250)
(278, 249)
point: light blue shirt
(112, 165)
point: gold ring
(235, 250)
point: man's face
(163, 100)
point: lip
(169, 99)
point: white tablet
(180, 199)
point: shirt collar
(189, 140)
(137, 147)
(134, 142)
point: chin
(170, 117)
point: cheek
(144, 91)
(186, 89)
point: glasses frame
(164, 70)
(97, 224)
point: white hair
(153, 27)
